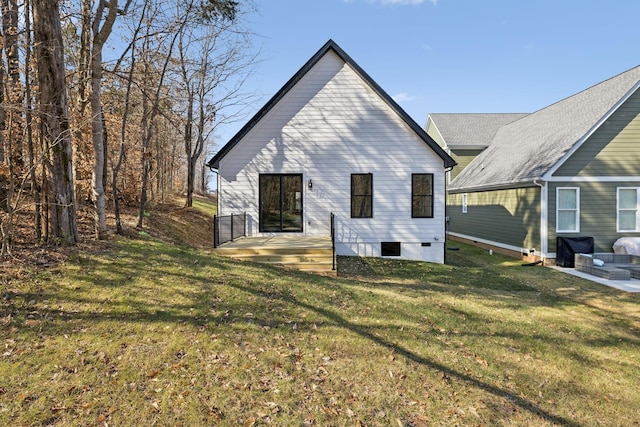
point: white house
(331, 141)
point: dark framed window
(390, 248)
(361, 195)
(422, 195)
(280, 200)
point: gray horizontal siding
(510, 217)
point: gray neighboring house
(464, 136)
(571, 169)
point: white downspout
(544, 217)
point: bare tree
(214, 63)
(14, 89)
(125, 116)
(148, 104)
(35, 186)
(4, 168)
(150, 109)
(54, 117)
(11, 121)
(101, 27)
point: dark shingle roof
(471, 130)
(527, 149)
(214, 162)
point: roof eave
(468, 146)
(531, 182)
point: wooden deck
(312, 254)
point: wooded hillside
(112, 104)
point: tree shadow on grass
(199, 293)
(446, 371)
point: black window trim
(370, 195)
(413, 195)
(279, 175)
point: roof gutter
(492, 187)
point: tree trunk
(49, 51)
(149, 112)
(98, 130)
(123, 129)
(114, 189)
(15, 94)
(4, 167)
(203, 178)
(35, 187)
(146, 155)
(188, 142)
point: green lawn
(146, 332)
(205, 205)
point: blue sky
(439, 56)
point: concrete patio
(631, 285)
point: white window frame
(577, 210)
(464, 203)
(637, 210)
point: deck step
(267, 251)
(273, 258)
(316, 258)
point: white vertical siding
(330, 125)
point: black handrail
(228, 228)
(333, 240)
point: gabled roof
(471, 130)
(330, 46)
(529, 148)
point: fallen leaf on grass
(152, 374)
(103, 417)
(420, 421)
(481, 361)
(215, 414)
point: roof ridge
(538, 141)
(588, 88)
(484, 113)
(213, 163)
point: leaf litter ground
(151, 329)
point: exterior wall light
(310, 184)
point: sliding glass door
(280, 202)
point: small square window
(390, 248)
